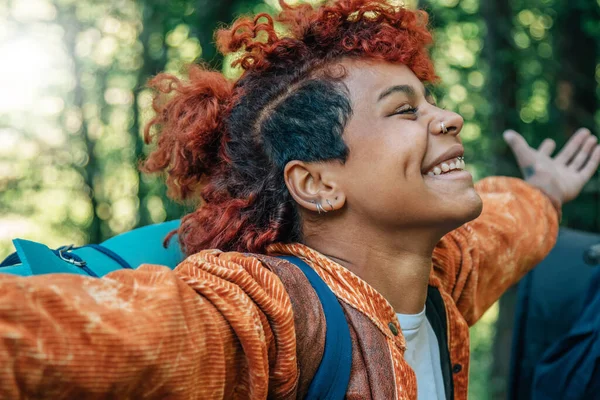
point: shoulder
(250, 272)
(279, 289)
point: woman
(328, 148)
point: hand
(563, 176)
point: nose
(447, 122)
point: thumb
(518, 145)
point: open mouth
(445, 167)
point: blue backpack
(145, 246)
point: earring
(320, 208)
(317, 205)
(329, 203)
(443, 126)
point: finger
(547, 147)
(517, 143)
(592, 165)
(572, 146)
(584, 153)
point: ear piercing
(329, 203)
(443, 126)
(320, 208)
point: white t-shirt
(423, 355)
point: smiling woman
(312, 171)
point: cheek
(389, 162)
(386, 166)
(387, 185)
(383, 169)
(403, 150)
(408, 148)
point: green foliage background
(73, 104)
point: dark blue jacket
(556, 350)
(570, 369)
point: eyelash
(404, 111)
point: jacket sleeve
(479, 261)
(206, 330)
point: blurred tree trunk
(575, 96)
(503, 345)
(500, 54)
(152, 23)
(69, 22)
(578, 54)
(210, 16)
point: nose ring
(443, 126)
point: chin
(463, 212)
(474, 208)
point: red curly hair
(215, 138)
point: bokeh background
(73, 103)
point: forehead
(366, 80)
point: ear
(313, 186)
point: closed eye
(405, 110)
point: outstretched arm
(477, 262)
(518, 225)
(151, 333)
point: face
(397, 148)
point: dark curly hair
(228, 142)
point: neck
(396, 265)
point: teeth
(458, 163)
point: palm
(564, 175)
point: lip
(454, 151)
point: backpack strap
(33, 258)
(125, 251)
(435, 311)
(333, 375)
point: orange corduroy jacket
(242, 326)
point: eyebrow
(406, 89)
